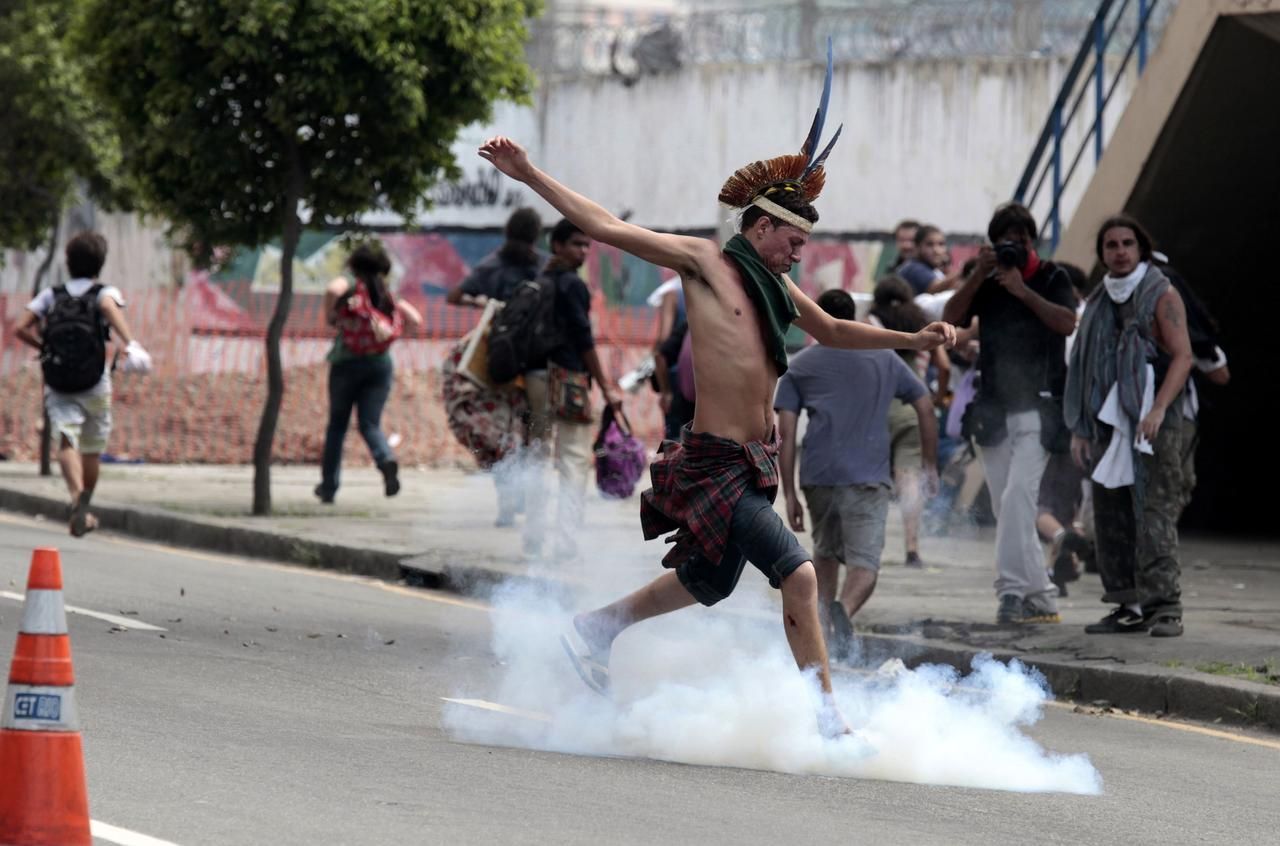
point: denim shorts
(756, 534)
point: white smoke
(720, 688)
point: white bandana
(1122, 288)
(783, 214)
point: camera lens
(1010, 254)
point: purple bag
(620, 457)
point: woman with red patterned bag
(369, 319)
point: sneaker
(1166, 625)
(390, 477)
(1119, 621)
(913, 561)
(590, 663)
(324, 496)
(1040, 608)
(1010, 610)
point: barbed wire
(582, 44)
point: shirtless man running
(717, 487)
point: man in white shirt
(69, 325)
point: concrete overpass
(1196, 157)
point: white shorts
(83, 419)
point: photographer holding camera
(1025, 309)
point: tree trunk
(275, 372)
(46, 463)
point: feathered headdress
(754, 184)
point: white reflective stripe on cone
(37, 708)
(44, 613)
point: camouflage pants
(1190, 440)
(1138, 558)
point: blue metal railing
(1046, 162)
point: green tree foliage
(51, 135)
(232, 113)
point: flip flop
(593, 672)
(82, 522)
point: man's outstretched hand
(935, 335)
(507, 156)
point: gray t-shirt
(847, 394)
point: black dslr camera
(1011, 254)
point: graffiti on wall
(426, 265)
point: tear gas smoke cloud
(719, 687)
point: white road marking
(122, 622)
(485, 705)
(123, 836)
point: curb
(1222, 700)
(439, 569)
(166, 527)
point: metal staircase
(1120, 29)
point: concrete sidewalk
(439, 532)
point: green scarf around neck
(769, 293)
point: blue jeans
(363, 384)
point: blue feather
(822, 159)
(815, 131)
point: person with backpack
(369, 319)
(71, 325)
(497, 277)
(558, 385)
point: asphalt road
(292, 707)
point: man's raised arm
(677, 252)
(852, 335)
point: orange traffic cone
(42, 787)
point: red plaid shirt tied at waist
(696, 486)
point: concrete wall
(943, 141)
(138, 254)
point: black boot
(390, 477)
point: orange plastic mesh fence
(203, 401)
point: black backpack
(73, 349)
(524, 331)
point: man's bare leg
(81, 475)
(601, 627)
(859, 583)
(1047, 526)
(804, 635)
(828, 573)
(90, 464)
(911, 504)
(72, 469)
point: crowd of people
(1077, 404)
(1058, 429)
